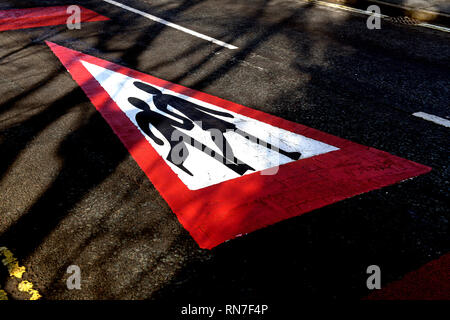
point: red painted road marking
(222, 211)
(14, 19)
(430, 282)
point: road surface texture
(71, 194)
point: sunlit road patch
(14, 19)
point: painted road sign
(14, 19)
(222, 190)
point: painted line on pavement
(16, 271)
(433, 26)
(370, 13)
(172, 25)
(15, 19)
(409, 8)
(433, 118)
(345, 8)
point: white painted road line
(433, 26)
(172, 25)
(432, 118)
(345, 8)
(369, 13)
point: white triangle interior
(207, 171)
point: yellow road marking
(3, 295)
(26, 286)
(16, 271)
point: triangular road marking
(216, 202)
(206, 170)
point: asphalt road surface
(71, 194)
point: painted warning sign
(13, 19)
(218, 144)
(225, 169)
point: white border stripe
(172, 25)
(433, 118)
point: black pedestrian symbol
(194, 113)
